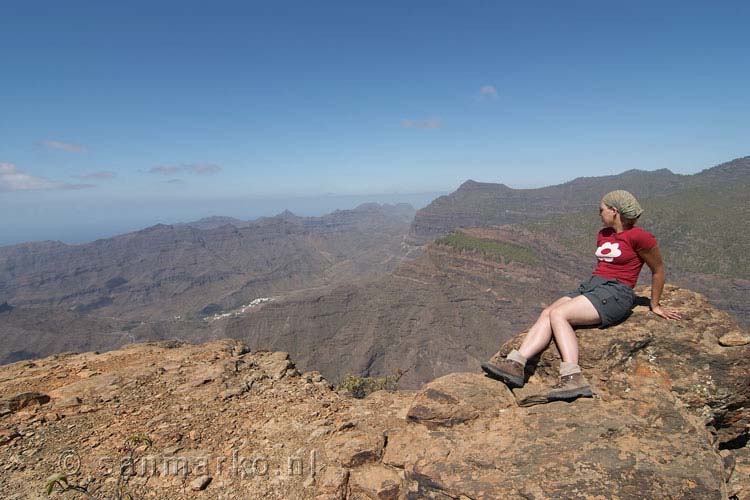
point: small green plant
(361, 387)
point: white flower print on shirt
(608, 251)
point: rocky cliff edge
(170, 421)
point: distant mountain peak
(368, 206)
(156, 227)
(472, 184)
(736, 165)
(288, 215)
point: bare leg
(541, 332)
(562, 318)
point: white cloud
(175, 182)
(428, 124)
(488, 92)
(195, 168)
(13, 179)
(102, 175)
(65, 146)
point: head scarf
(624, 202)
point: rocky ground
(171, 421)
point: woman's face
(607, 214)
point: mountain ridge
(484, 203)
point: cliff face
(670, 420)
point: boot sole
(508, 379)
(571, 394)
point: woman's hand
(665, 313)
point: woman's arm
(652, 257)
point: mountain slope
(180, 270)
(447, 310)
(161, 282)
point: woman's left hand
(665, 313)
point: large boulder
(457, 398)
(685, 357)
(643, 445)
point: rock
(23, 400)
(313, 377)
(240, 348)
(332, 483)
(86, 373)
(68, 402)
(319, 432)
(376, 481)
(457, 398)
(684, 356)
(277, 364)
(355, 447)
(95, 387)
(200, 483)
(401, 449)
(254, 377)
(738, 484)
(205, 375)
(734, 338)
(233, 392)
(8, 435)
(586, 447)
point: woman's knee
(544, 315)
(557, 314)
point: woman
(604, 299)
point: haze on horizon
(118, 116)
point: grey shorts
(612, 299)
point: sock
(516, 356)
(568, 368)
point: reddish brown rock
(734, 338)
(377, 482)
(642, 446)
(332, 483)
(8, 435)
(457, 398)
(683, 356)
(353, 447)
(20, 401)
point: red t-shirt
(617, 253)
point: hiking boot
(506, 370)
(569, 388)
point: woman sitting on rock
(604, 299)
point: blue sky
(115, 115)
